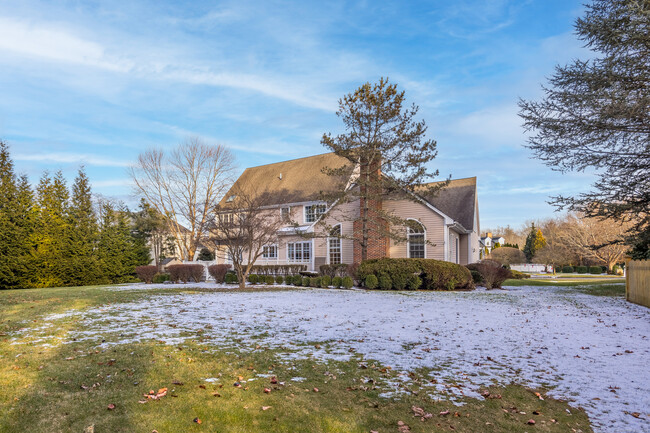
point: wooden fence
(637, 282)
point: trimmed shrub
(269, 280)
(371, 281)
(297, 280)
(581, 269)
(337, 281)
(305, 281)
(279, 279)
(476, 276)
(186, 273)
(492, 272)
(413, 282)
(347, 282)
(436, 274)
(218, 272)
(197, 273)
(253, 278)
(385, 283)
(146, 273)
(314, 282)
(325, 281)
(401, 281)
(596, 270)
(276, 270)
(160, 278)
(230, 278)
(567, 270)
(605, 269)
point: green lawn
(70, 385)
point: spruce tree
(535, 241)
(53, 234)
(84, 267)
(15, 224)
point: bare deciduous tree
(184, 185)
(508, 255)
(596, 239)
(244, 225)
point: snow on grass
(590, 350)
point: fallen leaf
(267, 390)
(443, 413)
(531, 422)
(274, 380)
(198, 421)
(111, 406)
(216, 394)
(315, 389)
(202, 386)
(402, 427)
(266, 407)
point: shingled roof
(457, 200)
(293, 181)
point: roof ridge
(290, 160)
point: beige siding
(454, 241)
(343, 214)
(433, 223)
(464, 240)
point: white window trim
(340, 243)
(277, 255)
(311, 252)
(304, 212)
(408, 242)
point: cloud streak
(71, 158)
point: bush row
(186, 273)
(339, 270)
(584, 269)
(412, 274)
(300, 280)
(278, 269)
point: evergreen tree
(388, 144)
(16, 224)
(53, 232)
(534, 242)
(596, 115)
(83, 264)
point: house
(488, 242)
(449, 221)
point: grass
(549, 282)
(69, 385)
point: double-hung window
(270, 252)
(416, 240)
(334, 246)
(286, 213)
(299, 251)
(313, 212)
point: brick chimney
(378, 243)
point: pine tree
(83, 264)
(595, 114)
(535, 241)
(388, 144)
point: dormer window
(313, 212)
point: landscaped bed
(343, 360)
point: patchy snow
(593, 350)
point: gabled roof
(457, 200)
(293, 181)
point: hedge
(435, 274)
(339, 270)
(305, 281)
(231, 278)
(567, 270)
(146, 273)
(413, 282)
(160, 278)
(325, 281)
(218, 272)
(347, 282)
(279, 279)
(595, 270)
(274, 270)
(336, 282)
(581, 269)
(253, 278)
(269, 280)
(385, 283)
(186, 273)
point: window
(270, 251)
(312, 212)
(226, 218)
(286, 213)
(416, 240)
(334, 243)
(299, 251)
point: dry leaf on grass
(111, 406)
(402, 427)
(198, 421)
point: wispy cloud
(71, 158)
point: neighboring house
(487, 243)
(449, 221)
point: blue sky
(97, 82)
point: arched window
(416, 236)
(334, 245)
